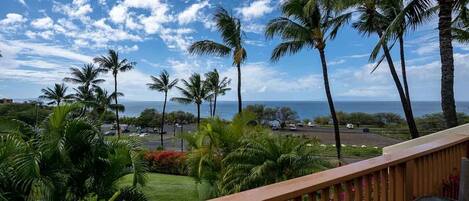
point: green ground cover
(166, 187)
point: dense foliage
(66, 159)
(264, 114)
(220, 153)
(377, 119)
(30, 113)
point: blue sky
(41, 39)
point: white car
(349, 126)
(292, 127)
(311, 124)
(142, 135)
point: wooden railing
(427, 169)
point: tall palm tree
(112, 63)
(162, 83)
(461, 22)
(445, 8)
(308, 24)
(372, 21)
(56, 95)
(193, 91)
(233, 39)
(217, 86)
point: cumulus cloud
(255, 10)
(12, 19)
(190, 14)
(77, 9)
(43, 23)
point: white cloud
(77, 9)
(12, 19)
(256, 9)
(190, 14)
(43, 23)
(177, 38)
(118, 13)
(336, 62)
(254, 28)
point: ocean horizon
(304, 109)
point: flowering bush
(169, 162)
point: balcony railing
(426, 166)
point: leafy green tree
(265, 160)
(217, 86)
(308, 24)
(149, 117)
(103, 103)
(66, 159)
(56, 95)
(233, 40)
(193, 91)
(162, 83)
(372, 21)
(114, 64)
(285, 115)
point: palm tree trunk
(215, 104)
(210, 106)
(331, 104)
(118, 129)
(58, 102)
(448, 104)
(240, 105)
(403, 68)
(404, 73)
(198, 115)
(404, 101)
(162, 119)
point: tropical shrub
(67, 158)
(435, 122)
(266, 159)
(168, 162)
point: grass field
(164, 187)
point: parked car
(311, 124)
(275, 128)
(299, 124)
(109, 133)
(143, 134)
(292, 127)
(349, 126)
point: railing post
(409, 179)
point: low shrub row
(167, 162)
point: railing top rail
(302, 185)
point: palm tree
(87, 76)
(193, 91)
(371, 21)
(162, 83)
(233, 39)
(112, 63)
(56, 95)
(308, 24)
(266, 160)
(217, 86)
(103, 101)
(66, 159)
(461, 22)
(418, 8)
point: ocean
(305, 109)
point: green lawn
(163, 187)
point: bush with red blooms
(168, 162)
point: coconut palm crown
(308, 24)
(193, 91)
(233, 39)
(162, 83)
(114, 64)
(56, 95)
